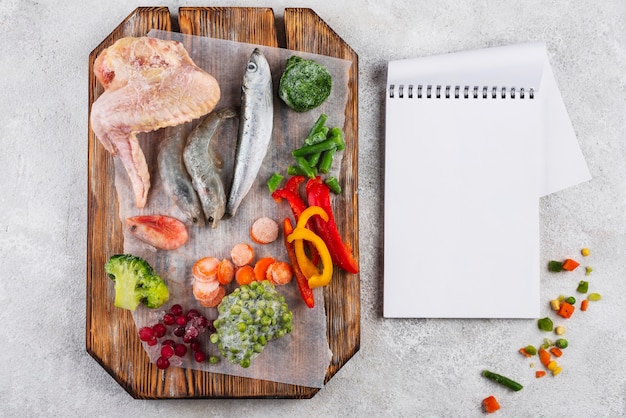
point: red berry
(171, 343)
(195, 345)
(187, 339)
(162, 363)
(145, 333)
(199, 356)
(176, 310)
(192, 313)
(169, 319)
(167, 351)
(159, 330)
(179, 331)
(181, 320)
(152, 341)
(180, 350)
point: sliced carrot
(556, 351)
(566, 310)
(490, 404)
(524, 352)
(212, 302)
(242, 254)
(264, 230)
(279, 273)
(244, 274)
(544, 357)
(540, 373)
(225, 271)
(570, 264)
(584, 304)
(205, 289)
(260, 268)
(205, 269)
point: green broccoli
(305, 84)
(135, 282)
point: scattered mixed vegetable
(550, 351)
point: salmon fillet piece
(148, 84)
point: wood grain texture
(111, 335)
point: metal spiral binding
(428, 91)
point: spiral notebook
(473, 139)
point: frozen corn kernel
(552, 365)
(585, 252)
(557, 371)
(559, 330)
(555, 304)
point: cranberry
(181, 320)
(187, 339)
(171, 343)
(152, 341)
(162, 363)
(199, 356)
(176, 310)
(159, 330)
(179, 331)
(194, 345)
(169, 319)
(180, 350)
(167, 351)
(192, 313)
(145, 333)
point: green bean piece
(316, 137)
(503, 380)
(545, 324)
(327, 160)
(594, 297)
(336, 135)
(311, 149)
(333, 185)
(318, 125)
(583, 286)
(314, 159)
(274, 181)
(303, 164)
(555, 266)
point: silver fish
(205, 166)
(255, 128)
(176, 180)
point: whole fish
(255, 128)
(205, 166)
(176, 180)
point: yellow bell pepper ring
(316, 280)
(308, 212)
(306, 265)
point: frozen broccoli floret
(248, 319)
(305, 84)
(135, 282)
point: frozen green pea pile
(248, 318)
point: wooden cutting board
(111, 333)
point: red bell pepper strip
(291, 194)
(318, 194)
(293, 184)
(303, 283)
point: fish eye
(252, 66)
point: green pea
(214, 338)
(214, 359)
(530, 349)
(571, 300)
(561, 343)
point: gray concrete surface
(404, 368)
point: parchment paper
(302, 357)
